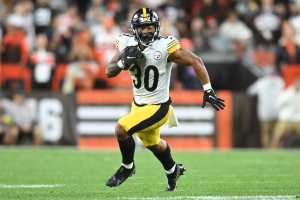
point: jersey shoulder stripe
(173, 48)
(173, 45)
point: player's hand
(210, 96)
(130, 56)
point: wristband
(207, 86)
(120, 64)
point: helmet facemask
(141, 19)
(146, 38)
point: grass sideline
(26, 173)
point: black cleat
(120, 176)
(172, 178)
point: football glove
(210, 96)
(130, 56)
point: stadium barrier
(56, 116)
(88, 119)
(98, 111)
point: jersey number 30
(138, 77)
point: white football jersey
(151, 78)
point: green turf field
(63, 173)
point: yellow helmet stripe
(144, 13)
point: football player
(148, 57)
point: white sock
(128, 166)
(170, 171)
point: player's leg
(139, 119)
(127, 148)
(159, 147)
(264, 133)
(37, 135)
(11, 135)
(126, 145)
(150, 137)
(136, 120)
(162, 151)
(280, 129)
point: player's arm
(185, 57)
(113, 69)
(115, 66)
(123, 61)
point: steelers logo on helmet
(145, 17)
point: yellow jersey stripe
(172, 43)
(144, 13)
(173, 48)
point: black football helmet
(145, 17)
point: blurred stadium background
(52, 84)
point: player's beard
(146, 38)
